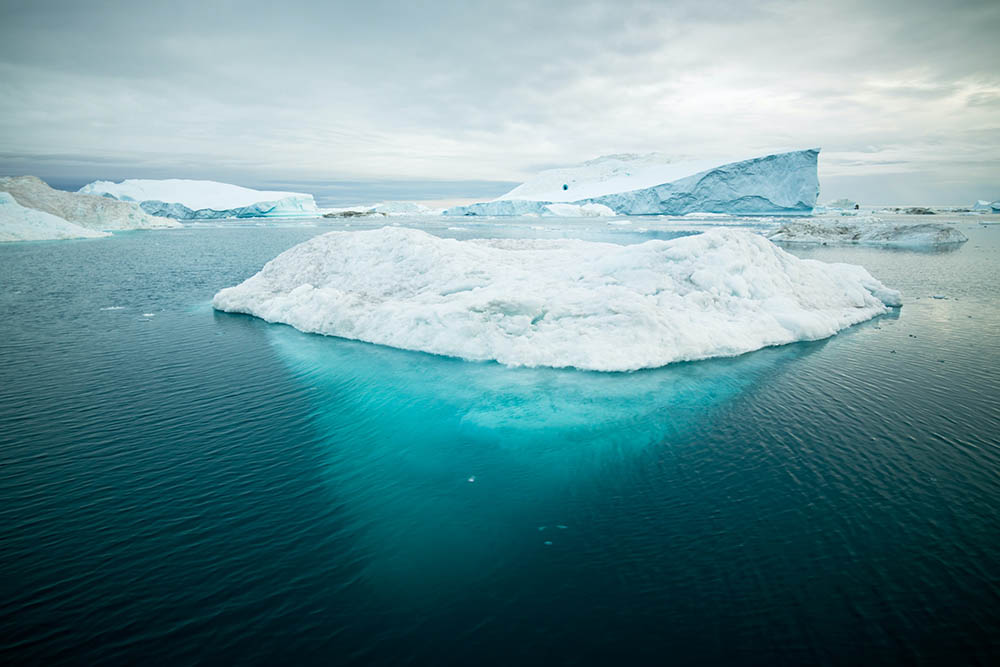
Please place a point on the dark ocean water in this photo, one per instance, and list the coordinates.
(180, 486)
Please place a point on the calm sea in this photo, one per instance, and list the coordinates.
(184, 486)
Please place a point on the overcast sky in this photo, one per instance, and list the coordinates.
(441, 98)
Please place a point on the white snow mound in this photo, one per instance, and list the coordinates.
(868, 231)
(20, 223)
(560, 303)
(89, 211)
(188, 199)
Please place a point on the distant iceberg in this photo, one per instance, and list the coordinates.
(92, 212)
(841, 204)
(200, 200)
(782, 184)
(987, 206)
(868, 231)
(559, 303)
(20, 223)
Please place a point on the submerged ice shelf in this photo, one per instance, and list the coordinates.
(200, 200)
(559, 303)
(781, 184)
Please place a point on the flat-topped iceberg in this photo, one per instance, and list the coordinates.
(868, 231)
(90, 211)
(200, 200)
(781, 184)
(560, 303)
(20, 223)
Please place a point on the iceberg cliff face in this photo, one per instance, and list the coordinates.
(201, 200)
(560, 303)
(782, 184)
(20, 223)
(89, 211)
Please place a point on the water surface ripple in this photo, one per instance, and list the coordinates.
(184, 486)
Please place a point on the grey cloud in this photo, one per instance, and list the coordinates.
(455, 90)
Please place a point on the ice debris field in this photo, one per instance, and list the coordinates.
(868, 230)
(559, 303)
(199, 200)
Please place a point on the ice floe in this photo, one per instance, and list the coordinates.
(868, 231)
(559, 303)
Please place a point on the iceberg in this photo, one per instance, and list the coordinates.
(841, 204)
(401, 208)
(559, 303)
(868, 231)
(90, 211)
(200, 200)
(20, 223)
(987, 206)
(781, 184)
(385, 209)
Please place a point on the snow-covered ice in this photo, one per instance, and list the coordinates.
(868, 231)
(93, 212)
(560, 303)
(199, 200)
(20, 223)
(783, 184)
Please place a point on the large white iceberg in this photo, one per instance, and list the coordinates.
(782, 184)
(89, 211)
(560, 303)
(198, 200)
(20, 223)
(868, 231)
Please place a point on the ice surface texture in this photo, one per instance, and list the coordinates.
(560, 303)
(99, 213)
(782, 184)
(198, 200)
(868, 231)
(20, 223)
